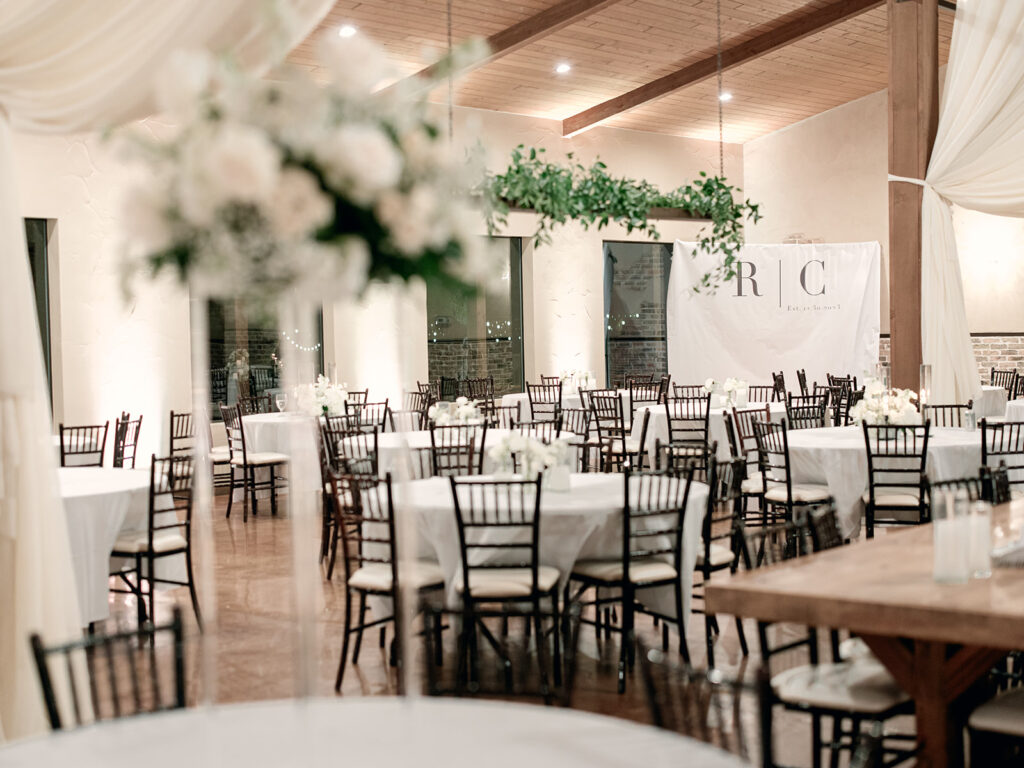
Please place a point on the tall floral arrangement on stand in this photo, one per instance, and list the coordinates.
(322, 398)
(274, 185)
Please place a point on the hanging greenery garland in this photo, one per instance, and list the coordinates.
(558, 193)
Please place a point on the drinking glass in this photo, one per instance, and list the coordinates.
(281, 401)
(950, 562)
(981, 540)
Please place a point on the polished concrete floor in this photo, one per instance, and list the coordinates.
(251, 646)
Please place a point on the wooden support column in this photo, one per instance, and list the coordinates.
(913, 121)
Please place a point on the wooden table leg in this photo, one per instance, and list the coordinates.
(934, 674)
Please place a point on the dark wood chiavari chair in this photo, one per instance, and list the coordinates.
(499, 543)
(685, 391)
(364, 511)
(406, 421)
(250, 464)
(654, 509)
(545, 401)
(776, 473)
(720, 549)
(335, 429)
(370, 417)
(550, 379)
(504, 416)
(706, 705)
(261, 378)
(586, 396)
(218, 385)
(897, 460)
(1002, 443)
(447, 388)
(995, 483)
(431, 391)
(545, 431)
(116, 667)
(357, 397)
(126, 440)
(972, 486)
(83, 446)
(664, 387)
(639, 378)
(182, 441)
(687, 420)
(610, 433)
(481, 390)
(855, 694)
(779, 385)
(761, 393)
(168, 534)
(810, 412)
(1007, 379)
(458, 449)
(252, 404)
(642, 393)
(947, 415)
(576, 426)
(753, 484)
(801, 380)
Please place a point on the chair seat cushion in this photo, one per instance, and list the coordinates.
(632, 446)
(640, 571)
(753, 485)
(801, 493)
(508, 582)
(720, 555)
(894, 497)
(1003, 714)
(850, 686)
(261, 459)
(220, 455)
(377, 576)
(138, 541)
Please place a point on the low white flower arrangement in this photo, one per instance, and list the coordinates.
(578, 379)
(267, 185)
(710, 385)
(531, 457)
(462, 411)
(322, 398)
(882, 406)
(729, 393)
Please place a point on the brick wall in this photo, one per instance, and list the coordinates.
(626, 358)
(990, 351)
(477, 358)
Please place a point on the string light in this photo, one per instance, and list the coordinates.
(300, 347)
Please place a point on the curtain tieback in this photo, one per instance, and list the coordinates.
(908, 180)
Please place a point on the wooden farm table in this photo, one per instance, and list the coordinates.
(936, 639)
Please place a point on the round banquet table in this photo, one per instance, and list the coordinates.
(657, 426)
(272, 432)
(991, 402)
(1015, 410)
(99, 505)
(837, 457)
(582, 523)
(383, 732)
(391, 446)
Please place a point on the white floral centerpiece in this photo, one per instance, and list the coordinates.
(736, 391)
(273, 185)
(532, 457)
(883, 406)
(322, 398)
(238, 363)
(578, 380)
(462, 411)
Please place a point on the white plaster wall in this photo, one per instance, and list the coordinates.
(564, 279)
(108, 355)
(825, 179)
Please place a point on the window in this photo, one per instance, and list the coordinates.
(478, 335)
(38, 262)
(635, 293)
(245, 352)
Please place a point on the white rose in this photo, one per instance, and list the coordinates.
(709, 385)
(361, 159)
(298, 206)
(355, 63)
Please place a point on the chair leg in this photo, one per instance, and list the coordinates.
(709, 639)
(150, 588)
(334, 552)
(359, 629)
(344, 641)
(684, 649)
(833, 750)
(231, 488)
(252, 491)
(542, 651)
(664, 636)
(815, 741)
(273, 492)
(140, 604)
(743, 636)
(192, 587)
(556, 635)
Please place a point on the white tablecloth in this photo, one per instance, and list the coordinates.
(583, 523)
(657, 426)
(381, 732)
(1015, 410)
(99, 505)
(837, 457)
(271, 432)
(991, 403)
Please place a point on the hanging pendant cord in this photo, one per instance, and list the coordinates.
(451, 76)
(721, 132)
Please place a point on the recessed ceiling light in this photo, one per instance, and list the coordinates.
(347, 30)
(725, 96)
(563, 68)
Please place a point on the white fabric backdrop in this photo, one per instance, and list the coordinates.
(977, 163)
(68, 66)
(812, 306)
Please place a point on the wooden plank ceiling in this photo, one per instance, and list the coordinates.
(630, 43)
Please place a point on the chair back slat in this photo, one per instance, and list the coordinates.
(807, 412)
(182, 433)
(126, 440)
(504, 416)
(897, 457)
(1007, 379)
(801, 380)
(687, 420)
(952, 415)
(369, 417)
(779, 385)
(545, 400)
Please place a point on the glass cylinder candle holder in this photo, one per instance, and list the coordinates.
(882, 374)
(981, 540)
(949, 564)
(925, 391)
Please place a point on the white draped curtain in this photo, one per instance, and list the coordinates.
(69, 66)
(977, 163)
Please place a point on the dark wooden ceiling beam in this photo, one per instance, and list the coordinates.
(540, 25)
(793, 27)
